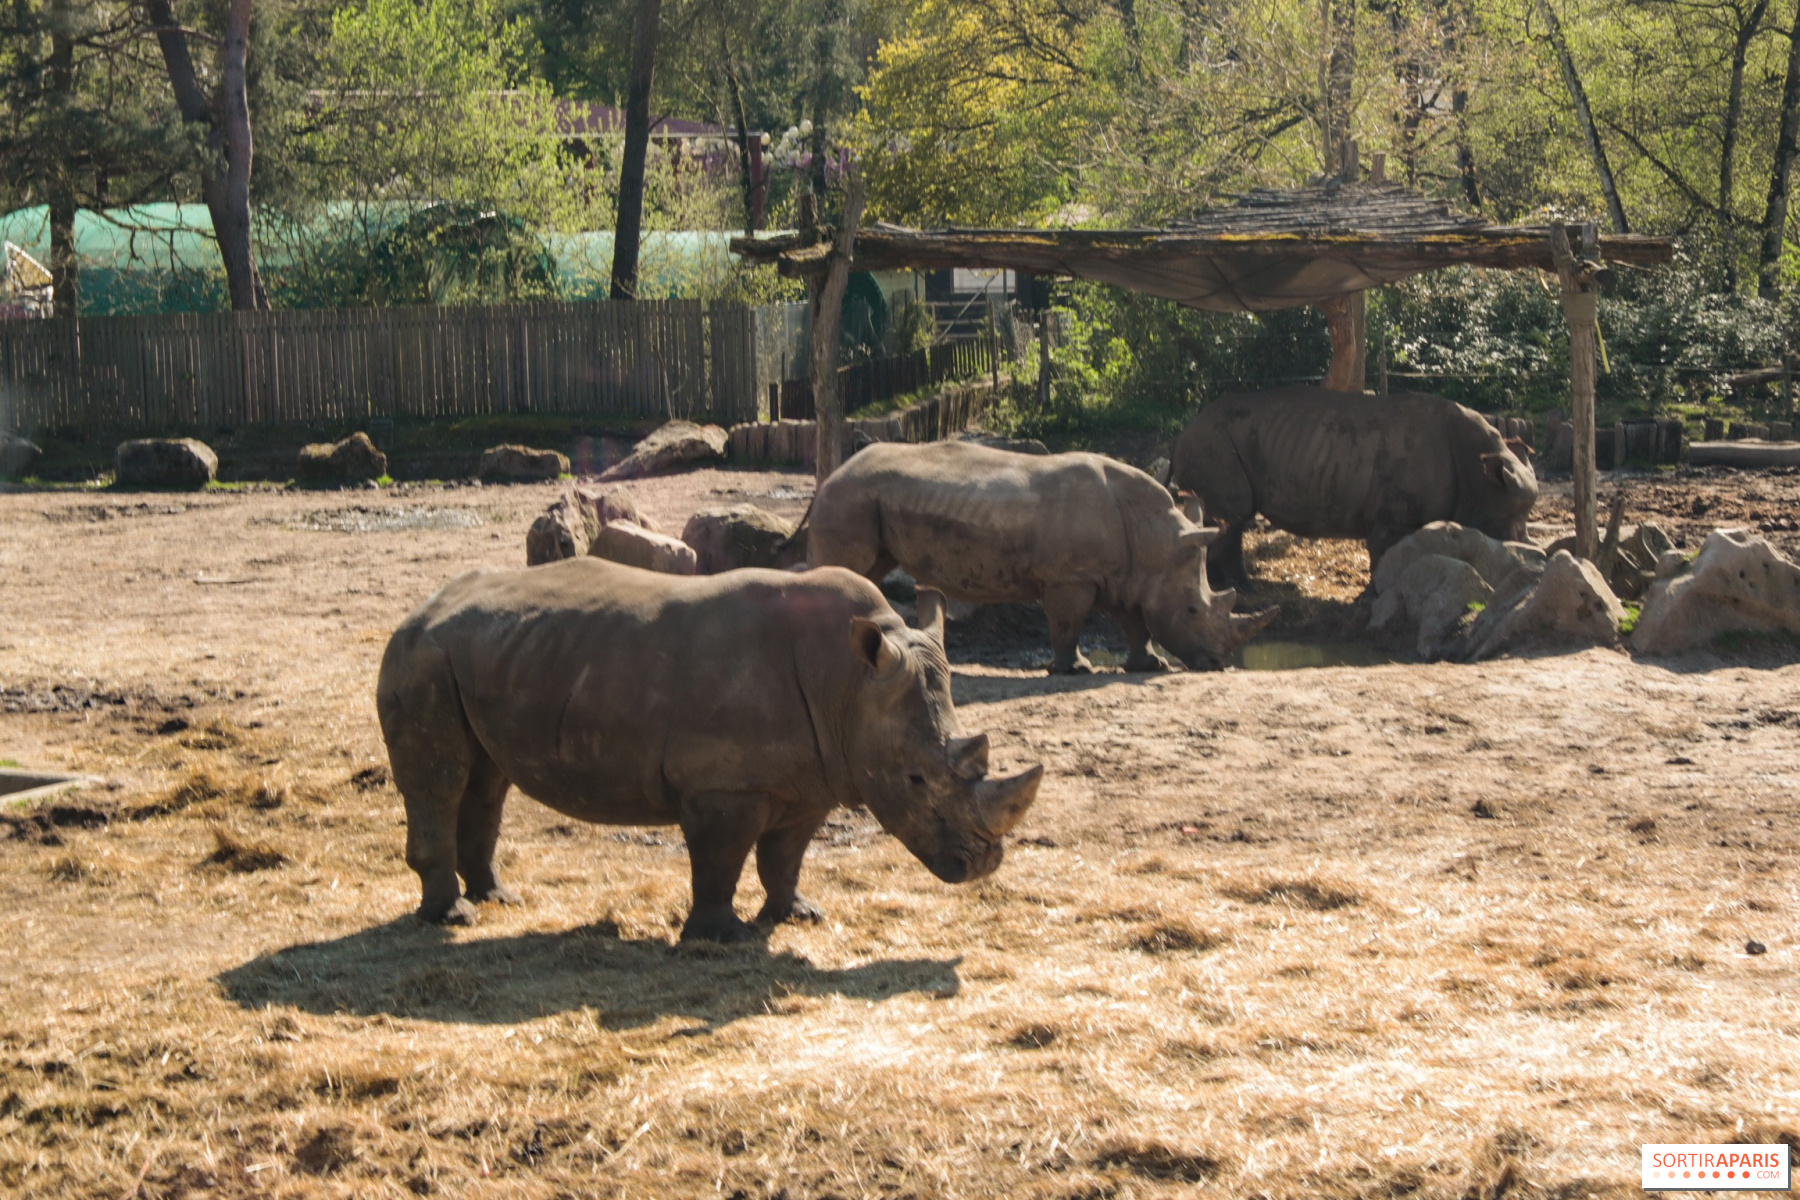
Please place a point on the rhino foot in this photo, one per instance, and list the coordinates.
(1148, 662)
(724, 928)
(457, 912)
(1079, 665)
(801, 909)
(494, 893)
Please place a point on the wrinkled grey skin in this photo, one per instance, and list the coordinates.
(1074, 532)
(741, 707)
(1322, 463)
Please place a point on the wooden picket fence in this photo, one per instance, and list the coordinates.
(877, 380)
(631, 360)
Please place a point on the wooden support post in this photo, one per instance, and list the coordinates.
(1348, 319)
(827, 296)
(1580, 309)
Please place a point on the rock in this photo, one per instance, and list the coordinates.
(17, 456)
(635, 546)
(1632, 566)
(725, 539)
(166, 462)
(520, 464)
(1495, 561)
(1568, 605)
(350, 461)
(568, 527)
(1737, 584)
(1434, 593)
(676, 444)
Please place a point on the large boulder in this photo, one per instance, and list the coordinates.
(725, 539)
(677, 444)
(1434, 594)
(521, 464)
(1737, 584)
(1569, 605)
(1493, 560)
(567, 528)
(166, 463)
(351, 460)
(17, 456)
(635, 546)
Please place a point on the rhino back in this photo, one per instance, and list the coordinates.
(608, 692)
(1324, 464)
(982, 524)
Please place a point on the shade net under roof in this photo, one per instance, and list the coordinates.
(1273, 249)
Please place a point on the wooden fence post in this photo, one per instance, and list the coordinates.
(1580, 308)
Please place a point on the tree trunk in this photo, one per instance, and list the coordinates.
(1340, 74)
(1787, 147)
(637, 148)
(1615, 211)
(1348, 319)
(1734, 109)
(225, 170)
(65, 274)
(745, 166)
(827, 311)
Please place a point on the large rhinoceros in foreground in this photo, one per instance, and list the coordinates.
(1329, 464)
(1074, 531)
(742, 707)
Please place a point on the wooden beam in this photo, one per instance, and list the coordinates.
(1348, 319)
(1581, 311)
(827, 296)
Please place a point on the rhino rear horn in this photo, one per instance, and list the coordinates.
(1000, 803)
(931, 614)
(969, 756)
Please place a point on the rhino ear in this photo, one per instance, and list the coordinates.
(1192, 543)
(1190, 507)
(1493, 464)
(873, 645)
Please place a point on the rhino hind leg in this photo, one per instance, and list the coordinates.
(720, 830)
(1067, 605)
(478, 829)
(778, 856)
(433, 754)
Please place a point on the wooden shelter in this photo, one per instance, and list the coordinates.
(1323, 245)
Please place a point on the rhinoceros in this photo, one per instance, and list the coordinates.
(1322, 463)
(742, 707)
(1074, 532)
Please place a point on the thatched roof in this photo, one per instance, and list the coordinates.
(1273, 249)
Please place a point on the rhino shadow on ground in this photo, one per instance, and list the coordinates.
(409, 969)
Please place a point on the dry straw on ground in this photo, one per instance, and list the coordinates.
(1400, 931)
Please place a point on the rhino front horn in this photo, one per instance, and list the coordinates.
(1245, 626)
(1000, 803)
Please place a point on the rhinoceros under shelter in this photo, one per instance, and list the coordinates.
(1321, 463)
(742, 707)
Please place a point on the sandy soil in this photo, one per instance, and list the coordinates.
(1388, 931)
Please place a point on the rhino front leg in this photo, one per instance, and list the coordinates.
(1067, 606)
(1142, 657)
(720, 829)
(778, 856)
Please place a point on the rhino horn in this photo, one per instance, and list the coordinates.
(969, 756)
(1000, 803)
(931, 614)
(1245, 626)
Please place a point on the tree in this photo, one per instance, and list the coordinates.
(1787, 146)
(229, 151)
(637, 143)
(1615, 208)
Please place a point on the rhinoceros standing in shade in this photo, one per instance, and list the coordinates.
(741, 707)
(1075, 532)
(1321, 463)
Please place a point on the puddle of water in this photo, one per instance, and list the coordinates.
(359, 519)
(1295, 656)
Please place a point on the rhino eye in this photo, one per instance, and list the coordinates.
(1193, 608)
(916, 779)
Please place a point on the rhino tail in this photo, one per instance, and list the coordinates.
(798, 537)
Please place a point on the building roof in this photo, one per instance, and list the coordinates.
(1273, 249)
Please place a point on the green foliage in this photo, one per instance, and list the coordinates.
(1628, 622)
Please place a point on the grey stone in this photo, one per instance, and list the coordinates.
(17, 456)
(1738, 583)
(677, 444)
(351, 460)
(1435, 594)
(1568, 605)
(635, 546)
(521, 464)
(1494, 560)
(166, 462)
(726, 539)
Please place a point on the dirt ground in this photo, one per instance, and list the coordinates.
(1385, 931)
